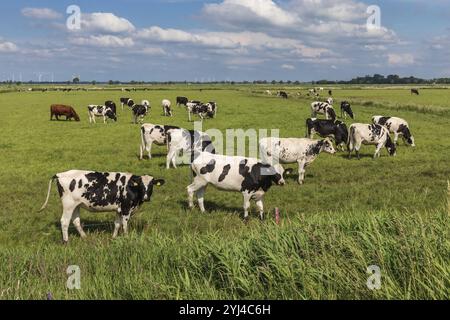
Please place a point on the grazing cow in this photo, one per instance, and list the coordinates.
(62, 110)
(346, 109)
(268, 92)
(320, 89)
(293, 150)
(312, 91)
(100, 192)
(182, 101)
(246, 175)
(415, 91)
(186, 141)
(323, 108)
(282, 94)
(111, 105)
(203, 110)
(330, 101)
(397, 126)
(153, 133)
(374, 134)
(330, 93)
(328, 128)
(100, 111)
(139, 112)
(166, 108)
(126, 101)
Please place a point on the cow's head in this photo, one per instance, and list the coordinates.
(75, 116)
(407, 135)
(148, 183)
(327, 146)
(390, 146)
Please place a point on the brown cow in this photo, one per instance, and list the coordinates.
(62, 110)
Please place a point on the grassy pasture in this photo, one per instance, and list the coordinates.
(350, 214)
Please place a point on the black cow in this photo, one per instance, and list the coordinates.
(100, 192)
(326, 128)
(282, 94)
(182, 101)
(415, 91)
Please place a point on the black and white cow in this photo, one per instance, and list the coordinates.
(100, 192)
(153, 133)
(346, 109)
(139, 112)
(165, 104)
(328, 128)
(112, 105)
(330, 101)
(126, 101)
(187, 141)
(203, 110)
(282, 94)
(323, 108)
(182, 101)
(145, 103)
(246, 175)
(293, 150)
(397, 126)
(369, 134)
(100, 111)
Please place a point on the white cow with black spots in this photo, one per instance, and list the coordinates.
(294, 150)
(369, 134)
(397, 126)
(100, 111)
(186, 141)
(153, 134)
(323, 108)
(100, 192)
(246, 175)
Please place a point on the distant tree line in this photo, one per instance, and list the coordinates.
(375, 79)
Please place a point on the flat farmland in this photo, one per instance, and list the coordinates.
(348, 215)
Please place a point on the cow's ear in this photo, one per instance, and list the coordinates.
(158, 182)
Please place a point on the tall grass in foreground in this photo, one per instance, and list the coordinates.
(322, 257)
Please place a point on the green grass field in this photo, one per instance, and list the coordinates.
(349, 214)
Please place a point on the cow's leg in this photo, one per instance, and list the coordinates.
(247, 198)
(117, 225)
(200, 198)
(68, 209)
(259, 197)
(196, 186)
(77, 223)
(104, 119)
(357, 148)
(171, 155)
(378, 150)
(395, 137)
(125, 219)
(301, 171)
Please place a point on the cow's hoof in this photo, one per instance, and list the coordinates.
(64, 242)
(246, 220)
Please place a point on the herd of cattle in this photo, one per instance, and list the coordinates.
(125, 192)
(139, 111)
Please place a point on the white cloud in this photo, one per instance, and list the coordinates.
(6, 46)
(41, 13)
(251, 11)
(233, 42)
(400, 59)
(103, 41)
(105, 22)
(287, 67)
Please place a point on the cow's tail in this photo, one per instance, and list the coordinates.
(48, 193)
(143, 142)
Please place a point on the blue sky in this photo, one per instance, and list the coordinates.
(223, 40)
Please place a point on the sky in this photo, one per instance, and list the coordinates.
(191, 40)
